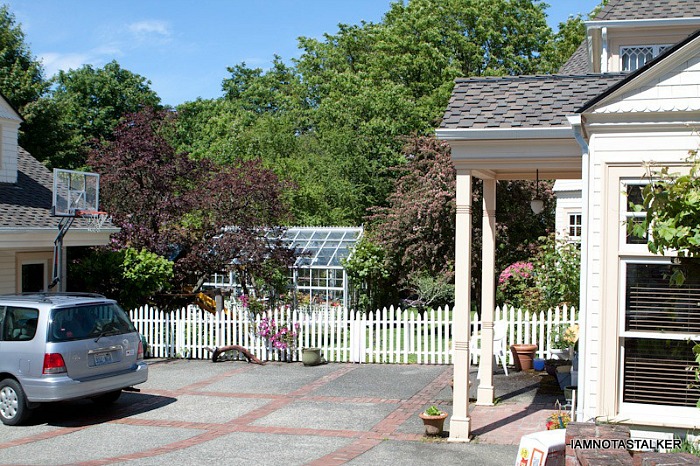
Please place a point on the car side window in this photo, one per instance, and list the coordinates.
(19, 323)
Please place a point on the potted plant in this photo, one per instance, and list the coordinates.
(280, 337)
(560, 342)
(311, 356)
(523, 356)
(433, 420)
(558, 420)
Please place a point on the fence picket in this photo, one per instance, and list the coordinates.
(390, 335)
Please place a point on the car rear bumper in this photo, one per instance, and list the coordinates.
(62, 387)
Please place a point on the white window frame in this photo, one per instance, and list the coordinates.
(640, 411)
(625, 217)
(639, 254)
(570, 225)
(656, 50)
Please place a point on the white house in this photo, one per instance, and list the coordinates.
(632, 95)
(27, 229)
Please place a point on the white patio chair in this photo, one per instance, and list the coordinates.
(500, 328)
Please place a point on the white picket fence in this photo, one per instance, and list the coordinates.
(387, 336)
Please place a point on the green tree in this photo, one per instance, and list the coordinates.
(369, 276)
(82, 109)
(563, 44)
(21, 75)
(130, 276)
(334, 122)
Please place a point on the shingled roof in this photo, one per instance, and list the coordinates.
(648, 9)
(27, 203)
(577, 63)
(521, 101)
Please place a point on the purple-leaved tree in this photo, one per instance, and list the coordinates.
(202, 215)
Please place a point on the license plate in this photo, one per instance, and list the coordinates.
(103, 358)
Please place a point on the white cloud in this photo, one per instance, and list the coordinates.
(150, 29)
(54, 62)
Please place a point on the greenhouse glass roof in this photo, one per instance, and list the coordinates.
(322, 246)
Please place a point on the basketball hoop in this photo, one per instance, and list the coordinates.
(95, 219)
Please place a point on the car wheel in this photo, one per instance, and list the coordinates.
(107, 398)
(13, 405)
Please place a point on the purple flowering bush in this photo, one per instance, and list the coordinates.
(550, 278)
(513, 282)
(280, 335)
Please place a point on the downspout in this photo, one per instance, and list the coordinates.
(576, 125)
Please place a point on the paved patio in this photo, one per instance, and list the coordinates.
(198, 412)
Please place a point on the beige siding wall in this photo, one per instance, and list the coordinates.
(7, 272)
(8, 151)
(638, 37)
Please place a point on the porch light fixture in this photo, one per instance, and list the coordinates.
(537, 204)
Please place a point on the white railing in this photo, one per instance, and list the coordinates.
(388, 336)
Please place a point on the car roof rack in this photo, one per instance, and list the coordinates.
(45, 295)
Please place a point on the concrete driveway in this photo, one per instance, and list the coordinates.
(234, 413)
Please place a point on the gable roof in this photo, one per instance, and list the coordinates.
(618, 10)
(27, 203)
(521, 101)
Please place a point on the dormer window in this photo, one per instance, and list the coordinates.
(635, 57)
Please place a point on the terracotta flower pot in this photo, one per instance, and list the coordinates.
(523, 355)
(433, 424)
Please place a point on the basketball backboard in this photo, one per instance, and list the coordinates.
(74, 191)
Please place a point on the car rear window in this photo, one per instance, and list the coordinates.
(88, 321)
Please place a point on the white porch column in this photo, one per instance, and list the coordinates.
(460, 423)
(486, 393)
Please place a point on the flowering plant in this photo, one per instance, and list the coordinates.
(558, 420)
(564, 336)
(514, 281)
(280, 335)
(571, 335)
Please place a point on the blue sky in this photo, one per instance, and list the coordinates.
(184, 46)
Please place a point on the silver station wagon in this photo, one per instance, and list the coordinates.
(64, 346)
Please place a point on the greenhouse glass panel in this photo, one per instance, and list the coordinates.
(320, 277)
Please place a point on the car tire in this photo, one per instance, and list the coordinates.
(13, 403)
(107, 398)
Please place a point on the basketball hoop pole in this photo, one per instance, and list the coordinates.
(63, 227)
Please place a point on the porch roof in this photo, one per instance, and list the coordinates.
(506, 127)
(521, 101)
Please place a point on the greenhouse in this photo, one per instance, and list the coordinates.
(317, 276)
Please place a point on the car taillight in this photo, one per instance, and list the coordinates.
(139, 353)
(54, 364)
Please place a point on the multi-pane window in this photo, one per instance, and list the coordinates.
(635, 57)
(575, 224)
